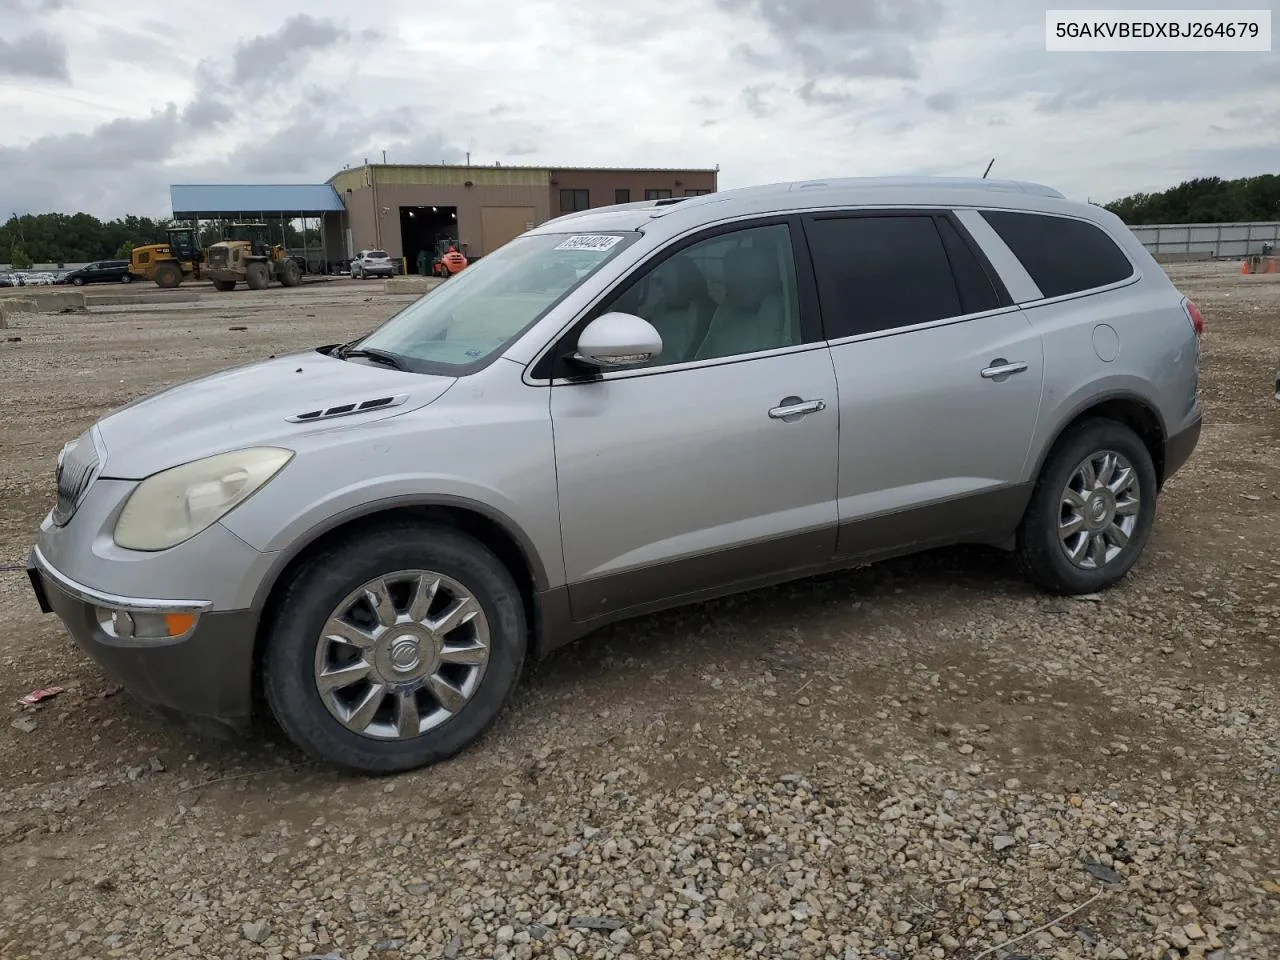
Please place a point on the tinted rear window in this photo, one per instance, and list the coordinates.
(880, 272)
(1062, 255)
(377, 255)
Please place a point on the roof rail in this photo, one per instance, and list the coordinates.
(975, 183)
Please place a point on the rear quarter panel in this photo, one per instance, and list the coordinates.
(1153, 355)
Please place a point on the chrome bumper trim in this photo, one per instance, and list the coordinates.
(101, 598)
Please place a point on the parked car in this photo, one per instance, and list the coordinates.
(41, 279)
(623, 410)
(373, 263)
(103, 271)
(6, 280)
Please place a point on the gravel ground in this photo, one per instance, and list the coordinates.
(921, 759)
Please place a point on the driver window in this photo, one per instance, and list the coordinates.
(731, 294)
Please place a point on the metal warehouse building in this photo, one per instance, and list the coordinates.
(405, 208)
(402, 209)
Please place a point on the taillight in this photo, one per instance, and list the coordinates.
(1193, 314)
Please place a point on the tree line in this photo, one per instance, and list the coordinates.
(74, 238)
(1204, 200)
(81, 237)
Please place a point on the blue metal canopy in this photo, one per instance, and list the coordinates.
(221, 200)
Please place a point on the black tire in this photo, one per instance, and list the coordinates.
(289, 658)
(168, 275)
(257, 276)
(77, 281)
(1039, 547)
(224, 285)
(126, 278)
(290, 275)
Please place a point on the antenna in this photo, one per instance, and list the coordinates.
(988, 170)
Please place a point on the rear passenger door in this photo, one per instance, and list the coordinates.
(939, 377)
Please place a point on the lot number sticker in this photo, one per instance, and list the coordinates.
(587, 241)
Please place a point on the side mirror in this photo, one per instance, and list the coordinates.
(618, 340)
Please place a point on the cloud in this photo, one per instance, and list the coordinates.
(39, 54)
(769, 89)
(942, 102)
(753, 99)
(279, 55)
(811, 94)
(840, 38)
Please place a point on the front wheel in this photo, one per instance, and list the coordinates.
(395, 649)
(126, 278)
(1092, 510)
(257, 276)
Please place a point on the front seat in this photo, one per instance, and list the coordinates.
(751, 317)
(683, 311)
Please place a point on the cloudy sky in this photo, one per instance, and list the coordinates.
(101, 108)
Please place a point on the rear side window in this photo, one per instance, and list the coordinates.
(1062, 255)
(880, 272)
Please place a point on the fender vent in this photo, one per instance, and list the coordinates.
(348, 409)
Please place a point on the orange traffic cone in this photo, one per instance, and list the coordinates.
(1244, 267)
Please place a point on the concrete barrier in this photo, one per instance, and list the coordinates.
(55, 301)
(42, 301)
(413, 284)
(12, 305)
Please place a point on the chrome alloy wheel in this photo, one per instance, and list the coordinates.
(1099, 509)
(402, 654)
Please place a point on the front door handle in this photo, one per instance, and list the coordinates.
(1002, 369)
(794, 408)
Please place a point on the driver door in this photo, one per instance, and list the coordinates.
(712, 468)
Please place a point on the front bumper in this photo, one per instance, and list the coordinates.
(202, 677)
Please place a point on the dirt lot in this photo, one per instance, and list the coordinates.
(924, 759)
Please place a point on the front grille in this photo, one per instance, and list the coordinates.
(218, 257)
(77, 464)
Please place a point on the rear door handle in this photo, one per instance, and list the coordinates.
(791, 407)
(1001, 369)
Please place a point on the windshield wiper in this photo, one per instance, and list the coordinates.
(381, 356)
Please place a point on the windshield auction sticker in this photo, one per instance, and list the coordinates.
(589, 241)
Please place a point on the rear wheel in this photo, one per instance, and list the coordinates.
(257, 276)
(395, 649)
(1092, 510)
(290, 275)
(126, 278)
(224, 285)
(168, 275)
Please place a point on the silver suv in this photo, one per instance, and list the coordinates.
(372, 263)
(623, 410)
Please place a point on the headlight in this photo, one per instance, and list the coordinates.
(178, 503)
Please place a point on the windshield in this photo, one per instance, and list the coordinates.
(475, 314)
